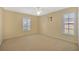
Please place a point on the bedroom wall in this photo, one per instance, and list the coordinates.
(13, 24)
(1, 25)
(54, 28)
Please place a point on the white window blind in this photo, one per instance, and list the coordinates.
(69, 22)
(26, 24)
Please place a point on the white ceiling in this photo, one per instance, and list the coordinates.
(32, 11)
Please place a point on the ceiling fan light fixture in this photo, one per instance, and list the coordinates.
(38, 11)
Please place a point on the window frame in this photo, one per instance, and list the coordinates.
(74, 25)
(28, 26)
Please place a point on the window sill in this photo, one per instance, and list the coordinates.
(68, 34)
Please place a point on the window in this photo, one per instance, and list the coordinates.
(69, 22)
(26, 24)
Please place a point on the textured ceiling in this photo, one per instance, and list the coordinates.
(32, 10)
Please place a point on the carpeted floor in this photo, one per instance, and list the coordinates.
(37, 43)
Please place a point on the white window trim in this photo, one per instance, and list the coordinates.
(74, 25)
(28, 27)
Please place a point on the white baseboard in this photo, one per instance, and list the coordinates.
(60, 39)
(19, 36)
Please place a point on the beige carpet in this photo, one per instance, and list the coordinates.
(37, 43)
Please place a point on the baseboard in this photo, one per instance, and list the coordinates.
(59, 39)
(21, 36)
